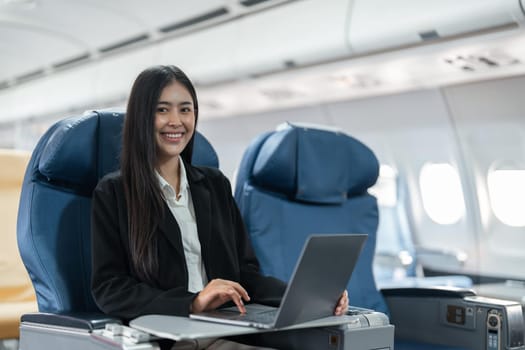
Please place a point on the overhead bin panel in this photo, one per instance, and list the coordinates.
(294, 34)
(206, 55)
(385, 24)
(49, 95)
(26, 50)
(115, 74)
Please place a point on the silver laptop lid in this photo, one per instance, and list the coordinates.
(322, 273)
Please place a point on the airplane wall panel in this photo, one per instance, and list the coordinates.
(490, 119)
(493, 100)
(406, 131)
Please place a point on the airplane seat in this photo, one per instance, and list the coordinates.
(17, 296)
(304, 179)
(55, 205)
(299, 181)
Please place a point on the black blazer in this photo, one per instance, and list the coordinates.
(226, 250)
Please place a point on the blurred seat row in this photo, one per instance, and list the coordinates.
(16, 291)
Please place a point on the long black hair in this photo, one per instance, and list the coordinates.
(144, 199)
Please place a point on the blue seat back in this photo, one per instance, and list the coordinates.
(301, 180)
(53, 227)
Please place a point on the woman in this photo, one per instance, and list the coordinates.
(167, 236)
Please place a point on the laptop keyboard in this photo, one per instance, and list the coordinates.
(266, 317)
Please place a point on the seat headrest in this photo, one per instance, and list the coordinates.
(203, 152)
(314, 165)
(82, 149)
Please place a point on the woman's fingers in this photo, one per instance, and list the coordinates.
(239, 289)
(342, 305)
(219, 291)
(232, 291)
(237, 299)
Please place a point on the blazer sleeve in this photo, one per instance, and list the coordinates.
(114, 287)
(262, 289)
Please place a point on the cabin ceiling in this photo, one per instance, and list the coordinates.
(38, 37)
(246, 56)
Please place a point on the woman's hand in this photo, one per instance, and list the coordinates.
(218, 292)
(342, 304)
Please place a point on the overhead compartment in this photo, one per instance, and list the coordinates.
(205, 55)
(386, 24)
(294, 34)
(114, 75)
(50, 94)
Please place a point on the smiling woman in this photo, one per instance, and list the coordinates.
(167, 235)
(433, 88)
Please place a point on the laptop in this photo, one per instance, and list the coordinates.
(320, 276)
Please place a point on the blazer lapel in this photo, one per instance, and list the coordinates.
(201, 203)
(171, 230)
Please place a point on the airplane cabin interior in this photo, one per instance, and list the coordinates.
(400, 119)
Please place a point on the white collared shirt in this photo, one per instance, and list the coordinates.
(183, 211)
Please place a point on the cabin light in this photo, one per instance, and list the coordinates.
(359, 81)
(461, 256)
(344, 80)
(405, 257)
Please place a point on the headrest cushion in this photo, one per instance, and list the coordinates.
(203, 152)
(315, 165)
(82, 149)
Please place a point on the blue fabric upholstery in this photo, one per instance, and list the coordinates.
(301, 180)
(298, 181)
(54, 215)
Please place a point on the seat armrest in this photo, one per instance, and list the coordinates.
(85, 321)
(428, 292)
(455, 317)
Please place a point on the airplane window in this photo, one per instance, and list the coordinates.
(507, 195)
(385, 189)
(441, 193)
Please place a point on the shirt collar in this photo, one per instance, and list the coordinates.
(167, 190)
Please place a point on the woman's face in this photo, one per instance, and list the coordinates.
(174, 121)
